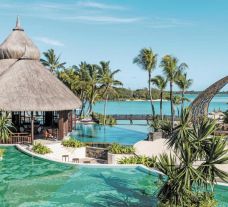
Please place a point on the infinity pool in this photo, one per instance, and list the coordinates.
(31, 182)
(125, 134)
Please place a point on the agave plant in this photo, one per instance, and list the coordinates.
(188, 180)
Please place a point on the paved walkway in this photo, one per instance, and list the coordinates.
(67, 154)
(159, 146)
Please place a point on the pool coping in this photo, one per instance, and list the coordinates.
(140, 166)
(143, 167)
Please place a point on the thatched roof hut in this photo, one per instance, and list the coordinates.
(25, 85)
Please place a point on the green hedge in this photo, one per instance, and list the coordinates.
(72, 143)
(121, 149)
(144, 160)
(41, 149)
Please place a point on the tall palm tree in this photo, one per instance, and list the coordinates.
(147, 60)
(108, 82)
(51, 61)
(172, 69)
(93, 85)
(183, 83)
(82, 71)
(161, 83)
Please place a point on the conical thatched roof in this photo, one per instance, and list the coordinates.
(18, 45)
(25, 85)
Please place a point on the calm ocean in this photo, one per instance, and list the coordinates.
(220, 102)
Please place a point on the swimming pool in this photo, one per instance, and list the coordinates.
(108, 134)
(31, 182)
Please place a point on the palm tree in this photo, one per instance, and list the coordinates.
(51, 61)
(147, 60)
(161, 83)
(172, 69)
(108, 82)
(72, 77)
(183, 83)
(93, 85)
(83, 88)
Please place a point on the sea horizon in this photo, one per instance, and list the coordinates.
(218, 103)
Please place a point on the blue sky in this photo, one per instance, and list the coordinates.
(195, 31)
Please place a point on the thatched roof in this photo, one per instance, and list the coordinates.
(25, 85)
(18, 45)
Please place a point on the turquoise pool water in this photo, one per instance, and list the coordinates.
(126, 134)
(31, 182)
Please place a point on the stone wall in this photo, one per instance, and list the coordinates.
(98, 153)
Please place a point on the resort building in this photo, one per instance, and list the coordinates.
(38, 103)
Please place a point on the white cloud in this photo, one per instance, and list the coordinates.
(163, 23)
(104, 19)
(49, 41)
(97, 5)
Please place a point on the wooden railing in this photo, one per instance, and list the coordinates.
(17, 138)
(136, 116)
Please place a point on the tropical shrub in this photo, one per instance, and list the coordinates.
(41, 149)
(161, 125)
(226, 117)
(144, 160)
(109, 120)
(2, 151)
(188, 183)
(155, 124)
(72, 143)
(166, 127)
(5, 126)
(121, 149)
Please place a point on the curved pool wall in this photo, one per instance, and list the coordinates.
(29, 181)
(109, 134)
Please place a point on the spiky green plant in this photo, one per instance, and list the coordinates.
(121, 149)
(5, 126)
(41, 149)
(144, 160)
(72, 143)
(190, 181)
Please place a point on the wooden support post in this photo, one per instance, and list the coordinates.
(61, 125)
(65, 123)
(32, 128)
(70, 123)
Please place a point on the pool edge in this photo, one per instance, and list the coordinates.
(143, 167)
